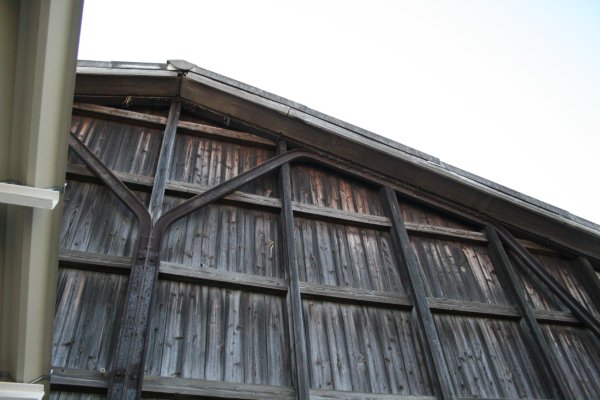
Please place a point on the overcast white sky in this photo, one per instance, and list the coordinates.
(508, 90)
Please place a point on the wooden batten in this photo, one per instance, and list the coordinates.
(158, 121)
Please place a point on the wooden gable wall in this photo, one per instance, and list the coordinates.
(396, 298)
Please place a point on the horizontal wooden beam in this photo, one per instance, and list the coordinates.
(180, 272)
(81, 378)
(343, 216)
(321, 394)
(184, 126)
(147, 102)
(223, 133)
(94, 261)
(236, 197)
(477, 309)
(242, 198)
(80, 172)
(469, 308)
(215, 389)
(445, 232)
(354, 295)
(93, 380)
(300, 209)
(558, 317)
(119, 114)
(172, 271)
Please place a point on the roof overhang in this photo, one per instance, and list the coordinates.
(424, 173)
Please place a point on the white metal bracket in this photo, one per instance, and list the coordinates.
(24, 391)
(28, 196)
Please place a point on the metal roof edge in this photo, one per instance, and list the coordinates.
(313, 113)
(120, 65)
(559, 212)
(422, 159)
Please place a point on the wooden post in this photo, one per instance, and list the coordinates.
(422, 313)
(128, 370)
(541, 353)
(161, 176)
(293, 299)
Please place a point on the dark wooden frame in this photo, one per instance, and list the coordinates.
(294, 300)
(127, 372)
(542, 355)
(421, 312)
(126, 377)
(530, 262)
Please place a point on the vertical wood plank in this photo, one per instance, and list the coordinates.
(164, 161)
(542, 355)
(424, 318)
(294, 301)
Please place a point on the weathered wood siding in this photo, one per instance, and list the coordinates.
(95, 222)
(579, 356)
(121, 146)
(314, 185)
(218, 334)
(537, 295)
(110, 229)
(455, 270)
(568, 274)
(364, 349)
(577, 350)
(342, 255)
(87, 310)
(418, 213)
(208, 162)
(353, 348)
(221, 324)
(489, 358)
(226, 238)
